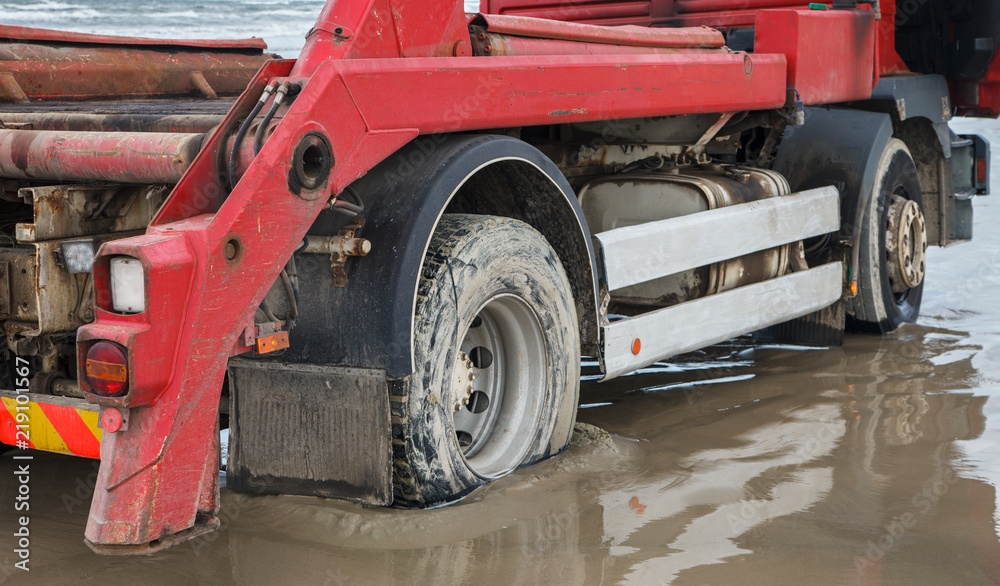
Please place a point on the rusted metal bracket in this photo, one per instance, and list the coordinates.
(264, 338)
(201, 84)
(340, 247)
(712, 131)
(10, 90)
(5, 300)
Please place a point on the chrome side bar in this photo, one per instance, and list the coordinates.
(713, 319)
(640, 253)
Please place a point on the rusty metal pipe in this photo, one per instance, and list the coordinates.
(339, 245)
(500, 45)
(635, 36)
(119, 157)
(132, 122)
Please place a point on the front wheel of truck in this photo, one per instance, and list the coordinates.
(496, 361)
(893, 247)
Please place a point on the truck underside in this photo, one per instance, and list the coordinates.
(379, 264)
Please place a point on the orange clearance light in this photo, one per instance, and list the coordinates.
(272, 343)
(107, 369)
(854, 288)
(636, 346)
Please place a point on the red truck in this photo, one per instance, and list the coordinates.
(379, 264)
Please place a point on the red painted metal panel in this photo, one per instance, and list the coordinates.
(831, 54)
(384, 29)
(461, 94)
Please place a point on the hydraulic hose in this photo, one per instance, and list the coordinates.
(241, 134)
(258, 139)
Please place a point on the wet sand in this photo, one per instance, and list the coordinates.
(875, 463)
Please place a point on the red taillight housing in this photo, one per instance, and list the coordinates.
(107, 369)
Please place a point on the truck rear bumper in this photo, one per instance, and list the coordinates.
(50, 423)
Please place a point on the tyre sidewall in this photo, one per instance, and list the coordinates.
(883, 312)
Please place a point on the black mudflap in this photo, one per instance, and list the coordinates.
(819, 329)
(309, 430)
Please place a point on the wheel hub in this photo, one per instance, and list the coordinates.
(499, 369)
(906, 244)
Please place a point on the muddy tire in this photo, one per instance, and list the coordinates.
(885, 301)
(496, 361)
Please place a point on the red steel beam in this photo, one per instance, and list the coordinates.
(448, 95)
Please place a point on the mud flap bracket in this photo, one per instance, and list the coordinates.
(203, 524)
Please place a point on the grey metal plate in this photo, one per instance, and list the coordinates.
(709, 320)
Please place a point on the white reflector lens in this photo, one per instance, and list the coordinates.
(128, 285)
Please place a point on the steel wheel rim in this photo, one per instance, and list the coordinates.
(496, 421)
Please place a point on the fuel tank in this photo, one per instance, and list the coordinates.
(629, 199)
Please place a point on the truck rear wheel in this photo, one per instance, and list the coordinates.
(496, 359)
(893, 248)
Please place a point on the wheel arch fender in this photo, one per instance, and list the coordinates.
(369, 323)
(841, 148)
(920, 108)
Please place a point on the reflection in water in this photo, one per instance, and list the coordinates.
(717, 481)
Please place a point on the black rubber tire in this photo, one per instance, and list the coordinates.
(472, 260)
(876, 309)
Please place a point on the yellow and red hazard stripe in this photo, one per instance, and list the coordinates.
(68, 426)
